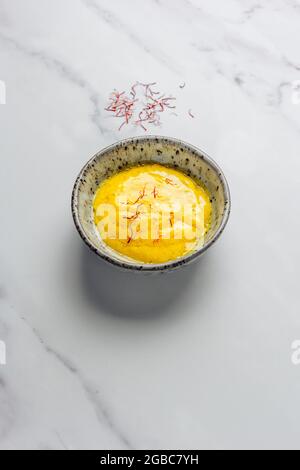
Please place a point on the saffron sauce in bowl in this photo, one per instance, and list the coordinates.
(152, 213)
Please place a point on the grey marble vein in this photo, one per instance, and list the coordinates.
(91, 392)
(252, 10)
(112, 20)
(67, 73)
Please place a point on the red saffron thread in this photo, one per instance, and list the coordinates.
(172, 219)
(136, 215)
(133, 217)
(130, 237)
(155, 192)
(141, 196)
(121, 106)
(157, 240)
(152, 103)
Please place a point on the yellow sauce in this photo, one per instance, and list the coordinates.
(152, 213)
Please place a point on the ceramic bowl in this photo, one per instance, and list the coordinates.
(166, 151)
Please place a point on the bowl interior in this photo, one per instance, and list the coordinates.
(109, 161)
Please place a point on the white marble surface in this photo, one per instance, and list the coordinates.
(210, 365)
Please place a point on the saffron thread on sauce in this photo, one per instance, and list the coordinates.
(155, 192)
(172, 219)
(168, 181)
(148, 230)
(134, 216)
(141, 196)
(129, 239)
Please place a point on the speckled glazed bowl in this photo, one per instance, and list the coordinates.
(166, 151)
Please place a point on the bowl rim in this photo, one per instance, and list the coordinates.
(170, 265)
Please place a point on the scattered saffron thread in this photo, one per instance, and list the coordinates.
(151, 104)
(121, 106)
(168, 181)
(129, 238)
(155, 192)
(172, 219)
(157, 240)
(141, 196)
(143, 106)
